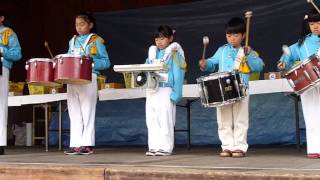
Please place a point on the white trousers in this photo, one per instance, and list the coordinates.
(4, 89)
(233, 124)
(160, 119)
(310, 101)
(82, 101)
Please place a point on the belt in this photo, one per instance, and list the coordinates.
(163, 84)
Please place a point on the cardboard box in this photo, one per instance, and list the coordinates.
(272, 75)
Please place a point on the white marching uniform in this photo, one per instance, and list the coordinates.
(82, 99)
(160, 119)
(11, 52)
(233, 119)
(161, 103)
(237, 116)
(310, 99)
(4, 89)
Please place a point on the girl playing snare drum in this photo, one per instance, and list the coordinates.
(307, 45)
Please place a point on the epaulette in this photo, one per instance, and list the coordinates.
(5, 36)
(95, 38)
(8, 31)
(256, 53)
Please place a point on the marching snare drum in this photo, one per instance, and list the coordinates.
(304, 75)
(219, 89)
(73, 69)
(40, 71)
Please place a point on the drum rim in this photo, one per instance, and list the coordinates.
(294, 67)
(309, 59)
(216, 75)
(223, 103)
(70, 55)
(39, 60)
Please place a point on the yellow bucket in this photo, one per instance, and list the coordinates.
(127, 79)
(101, 81)
(16, 88)
(33, 89)
(254, 76)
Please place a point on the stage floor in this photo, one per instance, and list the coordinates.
(261, 162)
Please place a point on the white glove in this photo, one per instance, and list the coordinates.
(173, 47)
(152, 53)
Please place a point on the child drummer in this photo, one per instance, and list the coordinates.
(233, 119)
(307, 46)
(82, 99)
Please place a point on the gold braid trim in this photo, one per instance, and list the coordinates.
(244, 67)
(177, 61)
(93, 40)
(5, 36)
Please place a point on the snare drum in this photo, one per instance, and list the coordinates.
(219, 89)
(40, 72)
(304, 75)
(73, 69)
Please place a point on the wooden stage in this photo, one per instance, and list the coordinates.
(268, 162)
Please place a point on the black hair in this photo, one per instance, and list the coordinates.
(163, 31)
(88, 17)
(235, 25)
(6, 21)
(312, 16)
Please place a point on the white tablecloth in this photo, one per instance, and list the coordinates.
(35, 99)
(191, 90)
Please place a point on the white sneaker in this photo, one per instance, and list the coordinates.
(151, 152)
(163, 153)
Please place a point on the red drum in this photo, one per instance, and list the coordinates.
(40, 71)
(304, 75)
(73, 69)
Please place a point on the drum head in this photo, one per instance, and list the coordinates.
(39, 60)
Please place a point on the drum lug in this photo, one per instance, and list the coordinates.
(291, 83)
(27, 67)
(53, 65)
(92, 65)
(60, 61)
(307, 75)
(296, 73)
(316, 70)
(35, 64)
(81, 61)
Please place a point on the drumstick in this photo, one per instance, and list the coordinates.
(314, 5)
(205, 41)
(205, 45)
(46, 44)
(248, 15)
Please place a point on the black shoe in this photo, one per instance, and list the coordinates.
(85, 150)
